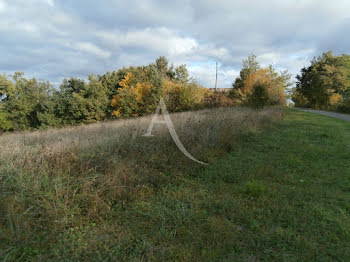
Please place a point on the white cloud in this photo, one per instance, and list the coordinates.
(91, 48)
(51, 3)
(27, 27)
(2, 7)
(161, 40)
(21, 27)
(181, 46)
(270, 58)
(204, 73)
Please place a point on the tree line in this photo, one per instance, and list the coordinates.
(134, 91)
(325, 84)
(27, 104)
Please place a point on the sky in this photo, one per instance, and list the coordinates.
(53, 40)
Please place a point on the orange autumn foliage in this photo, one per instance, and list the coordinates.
(134, 98)
(267, 78)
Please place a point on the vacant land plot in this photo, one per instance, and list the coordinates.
(275, 190)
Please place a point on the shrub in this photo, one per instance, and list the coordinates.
(335, 101)
(183, 96)
(219, 99)
(345, 106)
(299, 100)
(260, 97)
(5, 122)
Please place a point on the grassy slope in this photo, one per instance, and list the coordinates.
(288, 191)
(281, 195)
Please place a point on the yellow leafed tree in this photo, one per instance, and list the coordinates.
(270, 80)
(136, 96)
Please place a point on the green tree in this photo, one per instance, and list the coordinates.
(326, 77)
(26, 103)
(5, 120)
(80, 102)
(249, 66)
(162, 65)
(181, 74)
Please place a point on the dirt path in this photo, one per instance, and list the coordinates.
(345, 117)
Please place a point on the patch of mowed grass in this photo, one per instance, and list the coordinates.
(299, 175)
(280, 194)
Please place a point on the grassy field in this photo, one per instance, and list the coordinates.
(275, 190)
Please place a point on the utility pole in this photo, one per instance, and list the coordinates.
(216, 78)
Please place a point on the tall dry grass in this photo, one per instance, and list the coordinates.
(56, 180)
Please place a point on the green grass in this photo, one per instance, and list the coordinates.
(288, 190)
(281, 194)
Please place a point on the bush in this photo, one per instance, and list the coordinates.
(183, 96)
(345, 106)
(219, 99)
(5, 122)
(299, 100)
(335, 100)
(260, 97)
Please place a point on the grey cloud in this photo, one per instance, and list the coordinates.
(338, 40)
(53, 39)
